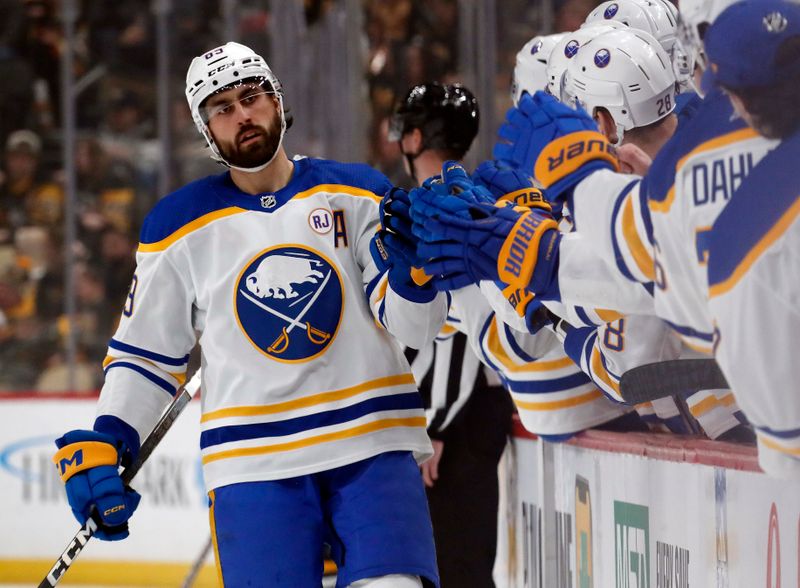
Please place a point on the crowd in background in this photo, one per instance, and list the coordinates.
(117, 151)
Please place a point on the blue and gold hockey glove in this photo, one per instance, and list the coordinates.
(395, 230)
(88, 463)
(557, 144)
(507, 184)
(466, 240)
(394, 248)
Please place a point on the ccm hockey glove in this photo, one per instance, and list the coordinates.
(88, 463)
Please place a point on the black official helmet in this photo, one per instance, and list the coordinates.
(446, 114)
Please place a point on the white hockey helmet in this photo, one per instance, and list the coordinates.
(694, 18)
(650, 16)
(219, 69)
(628, 73)
(567, 48)
(530, 71)
(656, 17)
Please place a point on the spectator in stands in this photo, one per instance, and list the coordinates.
(25, 198)
(117, 263)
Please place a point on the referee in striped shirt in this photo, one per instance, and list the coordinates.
(469, 412)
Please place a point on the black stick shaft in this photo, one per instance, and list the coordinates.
(667, 378)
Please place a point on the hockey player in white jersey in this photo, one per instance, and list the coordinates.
(658, 227)
(754, 246)
(624, 81)
(309, 407)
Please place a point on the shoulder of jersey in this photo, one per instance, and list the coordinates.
(354, 175)
(712, 118)
(764, 206)
(181, 207)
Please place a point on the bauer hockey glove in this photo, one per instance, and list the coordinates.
(507, 184)
(556, 143)
(466, 240)
(88, 463)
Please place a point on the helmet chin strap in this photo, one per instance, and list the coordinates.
(410, 157)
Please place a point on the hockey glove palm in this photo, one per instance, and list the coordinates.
(88, 463)
(556, 143)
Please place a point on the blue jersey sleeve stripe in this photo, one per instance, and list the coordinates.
(232, 433)
(151, 355)
(787, 434)
(549, 385)
(750, 223)
(583, 316)
(512, 342)
(605, 367)
(482, 339)
(722, 279)
(576, 340)
(160, 382)
(373, 283)
(690, 332)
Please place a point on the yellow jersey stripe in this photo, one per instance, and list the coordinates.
(717, 142)
(300, 443)
(497, 350)
(691, 344)
(213, 525)
(608, 316)
(777, 230)
(382, 288)
(196, 224)
(558, 404)
(599, 370)
(313, 400)
(448, 330)
(663, 205)
(337, 189)
(643, 259)
(708, 404)
(778, 447)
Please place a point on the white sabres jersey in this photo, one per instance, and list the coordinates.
(552, 395)
(655, 232)
(609, 351)
(299, 372)
(754, 288)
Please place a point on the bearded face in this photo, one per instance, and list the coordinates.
(253, 144)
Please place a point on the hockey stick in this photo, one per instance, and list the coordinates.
(86, 532)
(194, 571)
(668, 378)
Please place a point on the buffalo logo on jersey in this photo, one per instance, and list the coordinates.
(537, 47)
(610, 11)
(289, 302)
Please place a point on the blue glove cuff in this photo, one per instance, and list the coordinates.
(126, 437)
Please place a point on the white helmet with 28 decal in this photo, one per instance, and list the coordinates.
(628, 73)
